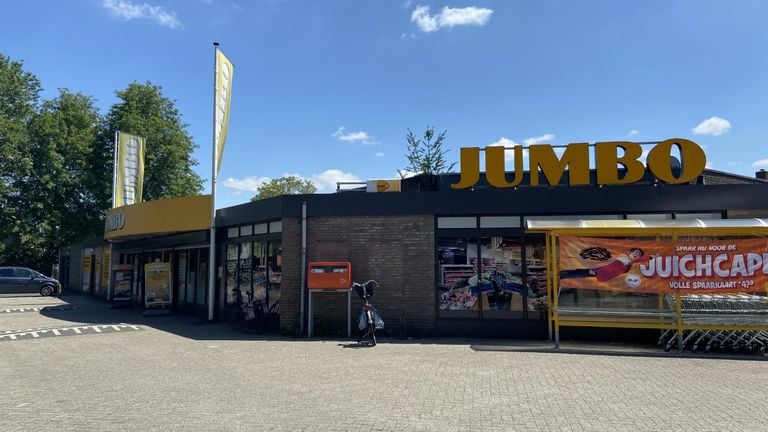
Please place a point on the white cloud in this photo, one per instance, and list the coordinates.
(508, 154)
(423, 19)
(379, 154)
(246, 184)
(712, 126)
(634, 132)
(544, 139)
(505, 142)
(762, 163)
(406, 174)
(127, 11)
(341, 134)
(407, 4)
(326, 181)
(449, 17)
(452, 17)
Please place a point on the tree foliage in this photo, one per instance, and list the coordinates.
(19, 95)
(289, 185)
(168, 161)
(69, 191)
(426, 155)
(56, 162)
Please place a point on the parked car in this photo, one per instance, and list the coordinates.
(23, 280)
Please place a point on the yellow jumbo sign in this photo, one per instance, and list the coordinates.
(159, 217)
(544, 160)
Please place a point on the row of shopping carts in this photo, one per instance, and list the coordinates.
(706, 312)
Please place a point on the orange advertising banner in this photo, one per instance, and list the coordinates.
(664, 266)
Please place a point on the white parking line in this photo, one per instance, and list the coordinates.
(67, 331)
(38, 309)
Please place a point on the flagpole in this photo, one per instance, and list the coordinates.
(114, 172)
(212, 247)
(110, 288)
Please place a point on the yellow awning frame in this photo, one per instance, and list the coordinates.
(675, 229)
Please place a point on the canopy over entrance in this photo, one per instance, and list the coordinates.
(692, 279)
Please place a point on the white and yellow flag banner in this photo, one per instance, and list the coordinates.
(129, 175)
(224, 70)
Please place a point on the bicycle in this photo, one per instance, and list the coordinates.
(238, 320)
(369, 318)
(247, 314)
(253, 312)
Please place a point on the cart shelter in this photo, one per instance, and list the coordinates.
(706, 281)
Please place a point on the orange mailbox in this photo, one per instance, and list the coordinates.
(329, 275)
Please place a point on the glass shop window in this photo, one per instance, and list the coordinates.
(259, 272)
(457, 284)
(230, 281)
(501, 288)
(274, 275)
(536, 276)
(244, 270)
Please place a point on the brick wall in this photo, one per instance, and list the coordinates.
(396, 251)
(290, 294)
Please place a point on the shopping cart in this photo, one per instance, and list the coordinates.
(717, 311)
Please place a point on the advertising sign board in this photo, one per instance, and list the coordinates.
(688, 266)
(157, 279)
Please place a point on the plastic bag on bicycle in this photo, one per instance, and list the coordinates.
(362, 321)
(378, 323)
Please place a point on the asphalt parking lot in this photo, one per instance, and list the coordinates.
(76, 365)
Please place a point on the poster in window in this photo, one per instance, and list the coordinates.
(157, 277)
(122, 275)
(231, 281)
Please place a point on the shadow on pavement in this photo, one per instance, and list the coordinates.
(89, 310)
(355, 345)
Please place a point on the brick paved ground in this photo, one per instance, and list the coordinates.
(175, 374)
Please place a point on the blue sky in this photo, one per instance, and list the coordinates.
(327, 89)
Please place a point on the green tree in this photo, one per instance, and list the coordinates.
(289, 185)
(19, 95)
(56, 162)
(69, 190)
(424, 155)
(168, 161)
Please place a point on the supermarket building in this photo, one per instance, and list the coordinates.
(453, 262)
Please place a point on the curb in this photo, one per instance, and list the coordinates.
(650, 354)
